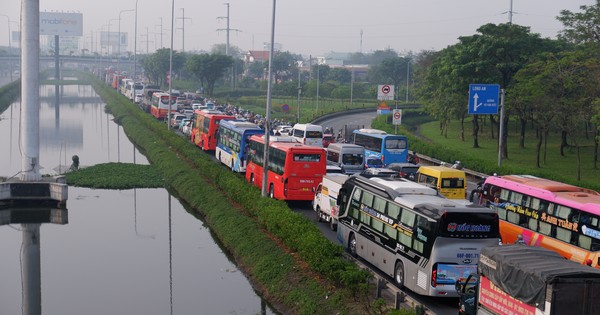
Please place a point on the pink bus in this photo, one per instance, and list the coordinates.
(546, 213)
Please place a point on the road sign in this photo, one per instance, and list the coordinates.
(385, 92)
(483, 99)
(397, 117)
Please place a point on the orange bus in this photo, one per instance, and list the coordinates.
(205, 127)
(295, 169)
(542, 212)
(160, 105)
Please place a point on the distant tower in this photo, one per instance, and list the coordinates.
(361, 38)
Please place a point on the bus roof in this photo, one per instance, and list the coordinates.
(285, 143)
(239, 124)
(564, 194)
(428, 169)
(376, 133)
(217, 115)
(372, 131)
(416, 196)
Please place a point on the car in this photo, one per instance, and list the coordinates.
(333, 169)
(183, 122)
(327, 139)
(176, 119)
(379, 172)
(283, 130)
(405, 170)
(374, 162)
(186, 129)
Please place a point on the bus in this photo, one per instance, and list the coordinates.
(380, 145)
(205, 127)
(232, 139)
(308, 134)
(295, 169)
(542, 212)
(160, 105)
(425, 242)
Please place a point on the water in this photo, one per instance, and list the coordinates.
(122, 252)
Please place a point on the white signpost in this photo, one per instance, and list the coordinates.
(397, 117)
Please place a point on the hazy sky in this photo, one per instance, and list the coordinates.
(309, 27)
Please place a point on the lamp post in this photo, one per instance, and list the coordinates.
(268, 112)
(9, 47)
(135, 46)
(171, 63)
(119, 49)
(299, 91)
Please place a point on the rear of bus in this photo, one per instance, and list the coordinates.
(450, 182)
(303, 171)
(461, 234)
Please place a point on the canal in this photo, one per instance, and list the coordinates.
(134, 251)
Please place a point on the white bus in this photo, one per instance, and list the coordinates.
(308, 134)
(424, 241)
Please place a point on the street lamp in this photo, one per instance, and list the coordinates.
(135, 46)
(119, 49)
(9, 47)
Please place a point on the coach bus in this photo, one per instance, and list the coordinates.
(160, 105)
(546, 213)
(295, 169)
(380, 145)
(205, 127)
(232, 139)
(412, 233)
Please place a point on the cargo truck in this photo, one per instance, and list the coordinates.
(529, 280)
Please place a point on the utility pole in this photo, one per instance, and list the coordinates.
(227, 30)
(182, 28)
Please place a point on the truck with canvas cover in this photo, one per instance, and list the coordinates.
(529, 280)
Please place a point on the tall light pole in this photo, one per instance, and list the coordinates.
(135, 46)
(9, 47)
(171, 62)
(407, 77)
(299, 91)
(268, 113)
(119, 49)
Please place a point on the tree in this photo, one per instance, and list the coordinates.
(156, 65)
(582, 27)
(283, 65)
(339, 75)
(209, 68)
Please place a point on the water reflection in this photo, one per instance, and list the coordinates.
(105, 261)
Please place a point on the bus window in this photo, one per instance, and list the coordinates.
(545, 228)
(408, 218)
(563, 234)
(585, 242)
(563, 212)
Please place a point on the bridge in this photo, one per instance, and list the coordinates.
(76, 62)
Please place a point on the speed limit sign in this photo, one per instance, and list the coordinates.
(397, 117)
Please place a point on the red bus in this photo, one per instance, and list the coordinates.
(546, 213)
(205, 127)
(160, 105)
(295, 169)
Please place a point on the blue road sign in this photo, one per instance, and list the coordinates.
(483, 99)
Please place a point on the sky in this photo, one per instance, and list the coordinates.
(307, 27)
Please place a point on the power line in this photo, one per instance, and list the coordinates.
(182, 28)
(228, 29)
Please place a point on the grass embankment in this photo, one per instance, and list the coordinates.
(485, 158)
(9, 93)
(116, 176)
(292, 264)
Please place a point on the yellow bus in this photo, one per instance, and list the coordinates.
(450, 182)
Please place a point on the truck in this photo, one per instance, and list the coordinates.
(519, 279)
(325, 201)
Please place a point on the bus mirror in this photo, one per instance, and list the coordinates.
(341, 197)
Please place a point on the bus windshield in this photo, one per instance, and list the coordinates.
(392, 144)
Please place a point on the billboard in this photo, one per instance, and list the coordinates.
(62, 24)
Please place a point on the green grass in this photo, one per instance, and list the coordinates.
(116, 176)
(519, 158)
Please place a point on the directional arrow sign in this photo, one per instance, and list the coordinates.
(483, 99)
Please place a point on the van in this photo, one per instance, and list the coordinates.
(349, 157)
(450, 182)
(308, 134)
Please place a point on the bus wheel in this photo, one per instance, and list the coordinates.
(399, 275)
(272, 192)
(318, 211)
(252, 179)
(232, 164)
(332, 225)
(352, 245)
